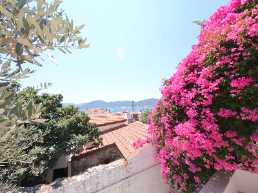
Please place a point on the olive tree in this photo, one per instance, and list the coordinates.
(28, 29)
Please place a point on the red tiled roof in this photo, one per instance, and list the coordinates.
(124, 137)
(101, 117)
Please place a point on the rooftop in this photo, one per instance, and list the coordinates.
(102, 117)
(123, 138)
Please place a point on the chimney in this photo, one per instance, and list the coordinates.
(130, 118)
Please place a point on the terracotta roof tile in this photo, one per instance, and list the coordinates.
(101, 117)
(124, 137)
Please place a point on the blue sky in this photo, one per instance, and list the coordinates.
(134, 44)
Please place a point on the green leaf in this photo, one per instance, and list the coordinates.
(30, 109)
(199, 22)
(5, 12)
(24, 41)
(21, 3)
(25, 25)
(54, 6)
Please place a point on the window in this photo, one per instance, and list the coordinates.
(60, 173)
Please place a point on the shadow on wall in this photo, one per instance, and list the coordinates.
(140, 173)
(96, 157)
(242, 181)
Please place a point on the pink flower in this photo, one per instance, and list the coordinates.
(197, 179)
(193, 168)
(238, 141)
(241, 82)
(230, 134)
(195, 153)
(191, 113)
(139, 143)
(253, 31)
(185, 129)
(178, 178)
(244, 1)
(184, 126)
(249, 114)
(223, 112)
(254, 137)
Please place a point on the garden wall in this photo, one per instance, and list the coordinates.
(141, 173)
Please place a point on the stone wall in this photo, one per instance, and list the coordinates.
(141, 174)
(239, 182)
(242, 181)
(100, 156)
(62, 162)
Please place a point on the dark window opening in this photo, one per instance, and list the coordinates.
(107, 161)
(60, 173)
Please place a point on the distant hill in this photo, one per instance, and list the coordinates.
(118, 106)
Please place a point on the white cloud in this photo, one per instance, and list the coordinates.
(120, 52)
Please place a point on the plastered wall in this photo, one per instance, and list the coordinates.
(140, 174)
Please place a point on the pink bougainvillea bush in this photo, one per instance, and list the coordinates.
(207, 118)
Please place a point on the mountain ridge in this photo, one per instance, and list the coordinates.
(116, 106)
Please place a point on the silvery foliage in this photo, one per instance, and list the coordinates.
(29, 28)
